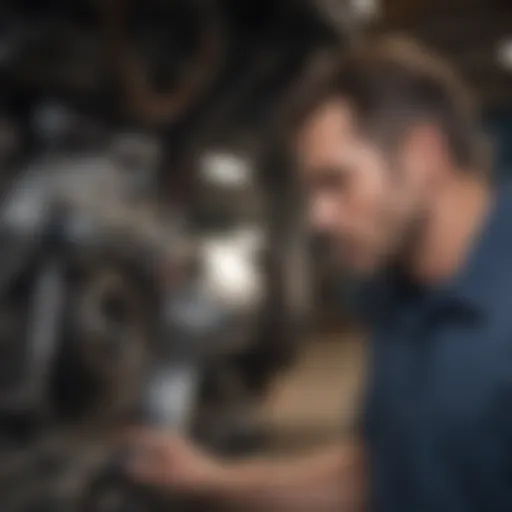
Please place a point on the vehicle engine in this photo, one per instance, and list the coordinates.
(154, 262)
(108, 317)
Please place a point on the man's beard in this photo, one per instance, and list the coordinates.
(407, 244)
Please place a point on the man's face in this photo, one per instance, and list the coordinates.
(368, 203)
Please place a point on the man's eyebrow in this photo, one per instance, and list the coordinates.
(327, 171)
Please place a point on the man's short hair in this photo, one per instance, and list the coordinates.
(393, 83)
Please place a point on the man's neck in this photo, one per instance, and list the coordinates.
(456, 218)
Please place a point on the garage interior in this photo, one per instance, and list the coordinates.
(184, 262)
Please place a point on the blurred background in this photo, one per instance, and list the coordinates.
(155, 264)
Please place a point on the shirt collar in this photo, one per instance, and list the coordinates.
(484, 280)
(486, 277)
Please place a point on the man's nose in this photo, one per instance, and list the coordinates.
(323, 215)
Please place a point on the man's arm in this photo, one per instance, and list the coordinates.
(331, 481)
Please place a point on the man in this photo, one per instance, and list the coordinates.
(396, 173)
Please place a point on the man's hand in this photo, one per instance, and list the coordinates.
(162, 460)
(326, 482)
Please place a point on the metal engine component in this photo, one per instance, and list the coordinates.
(113, 309)
(110, 337)
(233, 273)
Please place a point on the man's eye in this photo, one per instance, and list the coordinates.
(332, 181)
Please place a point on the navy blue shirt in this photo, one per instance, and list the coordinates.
(438, 421)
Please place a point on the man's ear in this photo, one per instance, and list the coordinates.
(425, 153)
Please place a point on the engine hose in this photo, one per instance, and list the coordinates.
(141, 99)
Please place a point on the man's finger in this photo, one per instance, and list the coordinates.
(145, 471)
(140, 436)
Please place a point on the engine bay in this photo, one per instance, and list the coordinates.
(153, 256)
